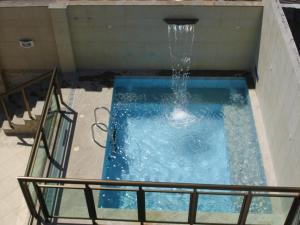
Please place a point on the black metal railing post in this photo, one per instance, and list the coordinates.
(193, 207)
(141, 205)
(6, 112)
(58, 87)
(26, 102)
(28, 198)
(245, 208)
(293, 211)
(56, 98)
(44, 139)
(88, 193)
(41, 201)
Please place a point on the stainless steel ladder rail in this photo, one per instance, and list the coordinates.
(102, 126)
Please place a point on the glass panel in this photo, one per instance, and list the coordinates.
(161, 207)
(39, 162)
(66, 202)
(297, 218)
(116, 204)
(218, 208)
(32, 191)
(269, 210)
(51, 119)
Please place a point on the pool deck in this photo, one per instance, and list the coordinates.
(14, 154)
(86, 157)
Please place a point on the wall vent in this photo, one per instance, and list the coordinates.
(26, 43)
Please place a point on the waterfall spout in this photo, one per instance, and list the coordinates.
(181, 38)
(184, 21)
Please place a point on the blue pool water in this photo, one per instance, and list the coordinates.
(211, 139)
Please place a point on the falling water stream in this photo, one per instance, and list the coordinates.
(181, 38)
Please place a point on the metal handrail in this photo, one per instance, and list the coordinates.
(100, 125)
(105, 129)
(93, 135)
(21, 88)
(142, 187)
(41, 122)
(225, 187)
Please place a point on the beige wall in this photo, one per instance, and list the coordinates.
(124, 37)
(278, 91)
(135, 37)
(26, 22)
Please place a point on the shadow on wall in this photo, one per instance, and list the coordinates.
(95, 81)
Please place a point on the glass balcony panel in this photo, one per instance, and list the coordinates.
(269, 210)
(296, 220)
(40, 160)
(119, 205)
(161, 207)
(66, 202)
(218, 208)
(51, 119)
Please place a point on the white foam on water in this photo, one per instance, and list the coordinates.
(180, 116)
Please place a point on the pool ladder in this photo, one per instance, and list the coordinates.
(103, 127)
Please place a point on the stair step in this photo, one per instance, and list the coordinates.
(28, 129)
(38, 109)
(5, 125)
(26, 116)
(18, 120)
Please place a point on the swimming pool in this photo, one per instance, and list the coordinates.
(211, 139)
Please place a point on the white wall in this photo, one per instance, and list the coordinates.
(278, 91)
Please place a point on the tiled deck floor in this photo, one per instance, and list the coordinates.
(86, 157)
(13, 160)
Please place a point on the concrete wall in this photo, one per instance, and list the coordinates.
(278, 91)
(78, 36)
(136, 37)
(26, 22)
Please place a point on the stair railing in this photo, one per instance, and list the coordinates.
(22, 88)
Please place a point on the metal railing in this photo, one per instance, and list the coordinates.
(88, 188)
(22, 88)
(53, 90)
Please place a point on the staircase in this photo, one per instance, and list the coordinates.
(23, 105)
(25, 125)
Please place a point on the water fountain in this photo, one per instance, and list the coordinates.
(181, 37)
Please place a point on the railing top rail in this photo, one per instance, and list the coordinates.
(164, 184)
(27, 83)
(41, 123)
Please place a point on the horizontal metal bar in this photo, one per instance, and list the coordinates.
(164, 184)
(221, 193)
(115, 189)
(87, 218)
(159, 221)
(82, 188)
(59, 186)
(123, 220)
(69, 217)
(217, 223)
(294, 195)
(168, 191)
(128, 220)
